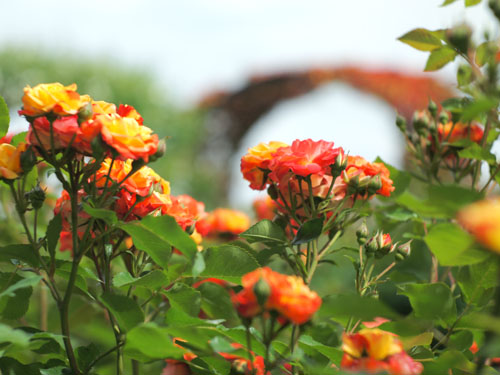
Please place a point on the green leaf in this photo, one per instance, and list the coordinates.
(20, 252)
(23, 283)
(439, 58)
(308, 231)
(53, 232)
(198, 265)
(344, 306)
(431, 301)
(476, 152)
(13, 336)
(479, 106)
(18, 138)
(469, 3)
(478, 281)
(4, 117)
(447, 2)
(148, 341)
(216, 302)
(152, 280)
(85, 355)
(265, 231)
(452, 359)
(482, 52)
(421, 39)
(452, 246)
(153, 234)
(184, 298)
(424, 338)
(100, 213)
(333, 354)
(126, 311)
(228, 263)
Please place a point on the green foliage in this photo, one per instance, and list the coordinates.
(4, 117)
(228, 262)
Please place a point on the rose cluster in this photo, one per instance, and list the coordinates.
(61, 118)
(375, 351)
(300, 175)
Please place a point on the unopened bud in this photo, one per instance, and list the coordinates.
(353, 185)
(459, 37)
(262, 291)
(160, 151)
(444, 118)
(421, 122)
(403, 251)
(273, 192)
(85, 113)
(138, 164)
(339, 165)
(28, 159)
(362, 234)
(374, 185)
(98, 148)
(36, 197)
(432, 107)
(401, 123)
(371, 247)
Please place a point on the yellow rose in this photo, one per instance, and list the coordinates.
(10, 160)
(52, 97)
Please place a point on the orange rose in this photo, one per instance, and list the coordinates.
(130, 139)
(304, 158)
(243, 365)
(126, 110)
(141, 182)
(288, 295)
(376, 351)
(460, 131)
(185, 210)
(482, 220)
(10, 160)
(256, 161)
(52, 97)
(264, 208)
(223, 222)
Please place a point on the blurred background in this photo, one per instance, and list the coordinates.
(219, 76)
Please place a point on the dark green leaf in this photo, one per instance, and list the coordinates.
(421, 39)
(4, 117)
(460, 340)
(308, 231)
(476, 152)
(86, 354)
(439, 58)
(477, 281)
(53, 232)
(333, 354)
(100, 213)
(482, 105)
(452, 359)
(126, 311)
(431, 301)
(22, 283)
(452, 246)
(16, 306)
(265, 231)
(153, 280)
(148, 341)
(23, 253)
(228, 263)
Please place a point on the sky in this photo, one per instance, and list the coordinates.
(197, 46)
